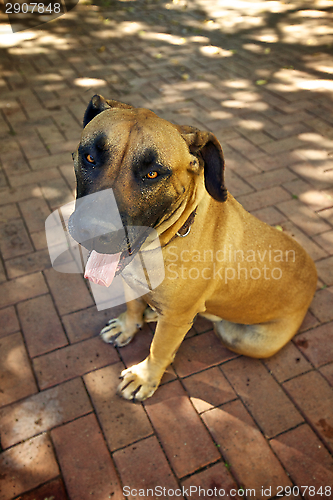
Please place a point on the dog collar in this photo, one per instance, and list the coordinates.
(186, 228)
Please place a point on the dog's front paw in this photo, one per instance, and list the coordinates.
(117, 332)
(138, 383)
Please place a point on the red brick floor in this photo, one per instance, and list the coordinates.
(258, 75)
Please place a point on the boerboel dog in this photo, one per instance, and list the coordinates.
(254, 282)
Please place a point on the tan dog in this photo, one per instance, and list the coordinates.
(254, 282)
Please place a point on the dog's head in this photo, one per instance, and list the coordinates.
(152, 166)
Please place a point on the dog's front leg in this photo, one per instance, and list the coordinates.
(140, 381)
(120, 331)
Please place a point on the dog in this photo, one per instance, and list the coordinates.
(254, 282)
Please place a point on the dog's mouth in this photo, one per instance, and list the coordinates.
(108, 256)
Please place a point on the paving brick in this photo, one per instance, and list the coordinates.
(85, 462)
(123, 423)
(35, 211)
(68, 173)
(26, 97)
(72, 361)
(297, 186)
(208, 389)
(50, 161)
(53, 489)
(41, 326)
(143, 466)
(26, 466)
(236, 186)
(308, 322)
(246, 148)
(327, 372)
(314, 250)
(3, 276)
(57, 193)
(15, 165)
(286, 130)
(254, 137)
(184, 438)
(271, 178)
(68, 290)
(8, 212)
(325, 270)
(321, 305)
(287, 363)
(8, 321)
(325, 240)
(239, 164)
(14, 239)
(306, 459)
(22, 288)
(43, 411)
(314, 397)
(313, 198)
(50, 134)
(3, 180)
(320, 176)
(327, 215)
(13, 195)
(269, 215)
(32, 146)
(202, 325)
(317, 344)
(14, 115)
(16, 377)
(34, 177)
(303, 217)
(85, 324)
(199, 353)
(39, 240)
(282, 145)
(262, 395)
(68, 125)
(9, 148)
(264, 198)
(251, 460)
(214, 482)
(27, 264)
(268, 162)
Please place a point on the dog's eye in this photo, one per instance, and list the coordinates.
(90, 159)
(152, 175)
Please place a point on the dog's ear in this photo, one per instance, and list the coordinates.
(205, 145)
(99, 104)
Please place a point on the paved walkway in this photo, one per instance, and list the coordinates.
(257, 74)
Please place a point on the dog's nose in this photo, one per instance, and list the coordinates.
(84, 227)
(96, 234)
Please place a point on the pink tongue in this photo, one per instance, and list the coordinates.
(101, 268)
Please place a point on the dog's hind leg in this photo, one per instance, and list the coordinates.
(260, 340)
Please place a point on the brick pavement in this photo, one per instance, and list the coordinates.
(259, 75)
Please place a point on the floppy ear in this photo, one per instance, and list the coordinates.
(99, 104)
(205, 145)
